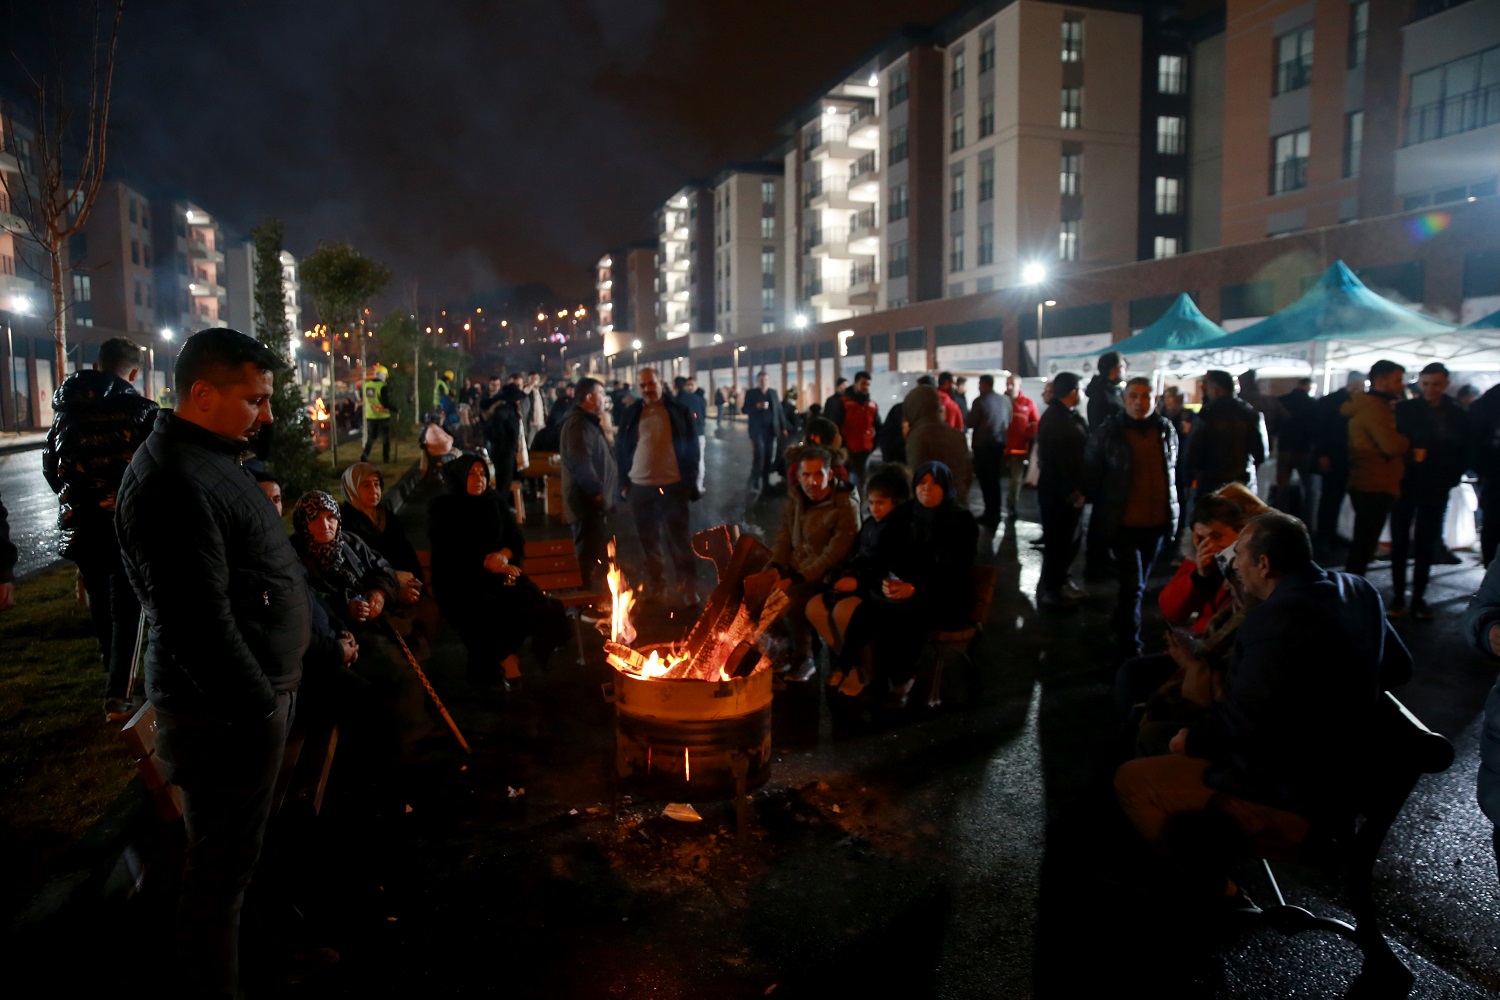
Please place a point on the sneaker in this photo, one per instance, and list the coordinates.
(1396, 609)
(801, 673)
(1420, 611)
(120, 709)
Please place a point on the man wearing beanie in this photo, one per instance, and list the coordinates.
(1130, 468)
(1061, 439)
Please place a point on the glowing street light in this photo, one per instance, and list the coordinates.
(800, 322)
(1034, 273)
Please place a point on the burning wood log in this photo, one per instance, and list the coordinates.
(716, 544)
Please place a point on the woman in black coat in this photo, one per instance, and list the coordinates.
(477, 556)
(364, 513)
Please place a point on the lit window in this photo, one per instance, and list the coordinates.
(986, 244)
(1072, 167)
(768, 227)
(1166, 246)
(1067, 240)
(1170, 74)
(1289, 161)
(1168, 196)
(956, 254)
(987, 52)
(1072, 39)
(1072, 103)
(1169, 141)
(1294, 60)
(986, 117)
(958, 131)
(957, 77)
(956, 197)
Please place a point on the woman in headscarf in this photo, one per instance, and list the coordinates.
(937, 588)
(363, 513)
(477, 556)
(361, 587)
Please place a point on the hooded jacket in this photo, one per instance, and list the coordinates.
(815, 537)
(464, 529)
(1376, 449)
(222, 589)
(932, 439)
(98, 422)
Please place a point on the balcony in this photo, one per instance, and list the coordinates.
(864, 281)
(1459, 113)
(865, 171)
(679, 292)
(827, 241)
(680, 261)
(827, 192)
(8, 218)
(830, 142)
(865, 225)
(1289, 175)
(864, 125)
(828, 290)
(203, 253)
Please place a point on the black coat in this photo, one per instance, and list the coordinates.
(223, 591)
(364, 570)
(465, 529)
(1109, 468)
(1105, 399)
(890, 440)
(1331, 431)
(391, 544)
(684, 440)
(1061, 437)
(1299, 428)
(98, 422)
(767, 421)
(1442, 430)
(1228, 442)
(940, 563)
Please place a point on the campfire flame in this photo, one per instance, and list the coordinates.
(621, 600)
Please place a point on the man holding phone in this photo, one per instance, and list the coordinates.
(1438, 430)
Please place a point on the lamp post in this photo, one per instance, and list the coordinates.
(1034, 274)
(18, 304)
(635, 347)
(167, 335)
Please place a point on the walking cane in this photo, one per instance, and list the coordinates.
(135, 661)
(422, 676)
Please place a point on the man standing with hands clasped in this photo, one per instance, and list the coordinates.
(763, 412)
(657, 451)
(226, 605)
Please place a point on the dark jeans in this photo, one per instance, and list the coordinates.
(1428, 515)
(1096, 543)
(1370, 512)
(1135, 550)
(115, 611)
(590, 536)
(1288, 462)
(661, 520)
(989, 459)
(377, 429)
(1137, 679)
(1060, 523)
(1334, 484)
(763, 445)
(227, 775)
(858, 461)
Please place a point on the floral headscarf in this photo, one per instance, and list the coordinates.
(324, 558)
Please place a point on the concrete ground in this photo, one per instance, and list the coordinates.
(970, 853)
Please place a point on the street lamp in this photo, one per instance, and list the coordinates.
(18, 304)
(635, 346)
(1034, 274)
(167, 335)
(800, 322)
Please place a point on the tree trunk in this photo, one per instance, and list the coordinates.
(59, 317)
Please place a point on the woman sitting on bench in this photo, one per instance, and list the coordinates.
(477, 556)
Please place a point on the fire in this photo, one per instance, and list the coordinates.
(320, 411)
(621, 600)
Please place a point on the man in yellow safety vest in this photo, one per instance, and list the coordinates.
(378, 413)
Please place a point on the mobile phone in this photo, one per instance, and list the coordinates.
(1225, 558)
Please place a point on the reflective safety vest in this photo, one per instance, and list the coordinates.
(374, 408)
(439, 390)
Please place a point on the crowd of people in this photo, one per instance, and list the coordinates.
(174, 523)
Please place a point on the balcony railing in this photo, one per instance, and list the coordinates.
(1289, 175)
(821, 186)
(828, 284)
(866, 164)
(826, 134)
(865, 219)
(863, 274)
(1459, 113)
(824, 236)
(7, 265)
(860, 114)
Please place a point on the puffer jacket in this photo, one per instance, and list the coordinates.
(932, 439)
(98, 422)
(1377, 449)
(223, 591)
(1109, 467)
(588, 468)
(1227, 443)
(816, 537)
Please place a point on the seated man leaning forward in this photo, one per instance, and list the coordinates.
(1307, 672)
(818, 527)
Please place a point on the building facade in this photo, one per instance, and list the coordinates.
(239, 285)
(684, 263)
(190, 291)
(113, 284)
(749, 292)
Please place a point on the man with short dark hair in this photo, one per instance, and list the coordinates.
(989, 418)
(1331, 454)
(1377, 451)
(1061, 440)
(766, 423)
(693, 401)
(1295, 438)
(1229, 437)
(1438, 430)
(226, 605)
(1310, 663)
(98, 422)
(858, 421)
(656, 452)
(1104, 400)
(589, 479)
(1131, 471)
(833, 406)
(952, 413)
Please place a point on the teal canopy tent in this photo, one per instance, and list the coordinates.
(1181, 332)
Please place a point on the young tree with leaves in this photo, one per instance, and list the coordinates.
(292, 456)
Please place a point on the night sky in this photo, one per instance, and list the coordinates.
(469, 146)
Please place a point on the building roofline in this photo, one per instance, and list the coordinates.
(763, 168)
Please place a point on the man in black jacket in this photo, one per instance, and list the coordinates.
(1295, 439)
(1131, 471)
(1438, 430)
(588, 479)
(656, 450)
(1309, 665)
(1061, 439)
(98, 422)
(763, 414)
(226, 606)
(689, 396)
(1229, 437)
(1331, 450)
(1484, 458)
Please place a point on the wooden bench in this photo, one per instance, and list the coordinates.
(1400, 749)
(946, 645)
(553, 566)
(300, 784)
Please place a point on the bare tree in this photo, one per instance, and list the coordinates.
(52, 208)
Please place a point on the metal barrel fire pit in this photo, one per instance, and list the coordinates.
(690, 739)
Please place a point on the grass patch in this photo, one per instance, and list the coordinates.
(61, 764)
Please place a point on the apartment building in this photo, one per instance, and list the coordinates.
(190, 292)
(910, 180)
(239, 285)
(19, 267)
(113, 282)
(625, 280)
(685, 263)
(1043, 130)
(749, 291)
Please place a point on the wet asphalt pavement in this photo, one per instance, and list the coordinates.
(974, 852)
(32, 507)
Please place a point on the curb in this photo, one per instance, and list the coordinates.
(16, 449)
